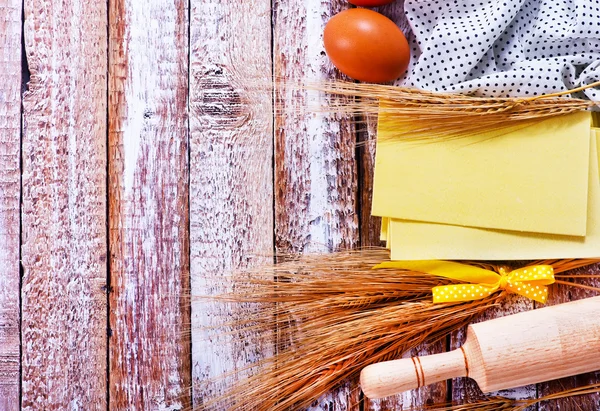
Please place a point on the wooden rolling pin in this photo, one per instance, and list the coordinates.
(507, 352)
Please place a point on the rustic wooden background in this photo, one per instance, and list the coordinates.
(139, 159)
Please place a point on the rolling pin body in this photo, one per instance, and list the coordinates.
(507, 352)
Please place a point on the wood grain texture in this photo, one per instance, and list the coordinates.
(316, 188)
(64, 207)
(424, 396)
(148, 205)
(10, 192)
(231, 185)
(315, 169)
(561, 294)
(465, 389)
(370, 228)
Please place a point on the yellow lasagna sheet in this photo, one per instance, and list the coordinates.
(530, 179)
(411, 240)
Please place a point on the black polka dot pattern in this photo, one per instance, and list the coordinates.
(504, 48)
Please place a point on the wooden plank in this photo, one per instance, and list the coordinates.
(561, 294)
(316, 184)
(316, 205)
(10, 192)
(148, 205)
(369, 233)
(64, 207)
(231, 181)
(370, 227)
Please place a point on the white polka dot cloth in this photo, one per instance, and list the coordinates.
(505, 48)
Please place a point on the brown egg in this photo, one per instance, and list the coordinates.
(366, 46)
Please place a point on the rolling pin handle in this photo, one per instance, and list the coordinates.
(392, 377)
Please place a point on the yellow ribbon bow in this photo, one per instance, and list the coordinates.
(529, 282)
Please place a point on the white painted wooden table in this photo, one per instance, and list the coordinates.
(139, 160)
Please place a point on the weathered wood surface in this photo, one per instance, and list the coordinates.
(149, 355)
(10, 192)
(255, 182)
(315, 170)
(316, 204)
(64, 207)
(231, 184)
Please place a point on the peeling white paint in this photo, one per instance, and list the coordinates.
(10, 84)
(63, 218)
(152, 156)
(319, 206)
(143, 85)
(140, 81)
(231, 176)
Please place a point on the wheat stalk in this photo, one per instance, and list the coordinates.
(416, 113)
(334, 315)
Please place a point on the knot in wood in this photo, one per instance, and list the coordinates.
(218, 100)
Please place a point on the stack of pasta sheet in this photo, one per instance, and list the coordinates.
(521, 192)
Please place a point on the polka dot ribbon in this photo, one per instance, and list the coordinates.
(529, 281)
